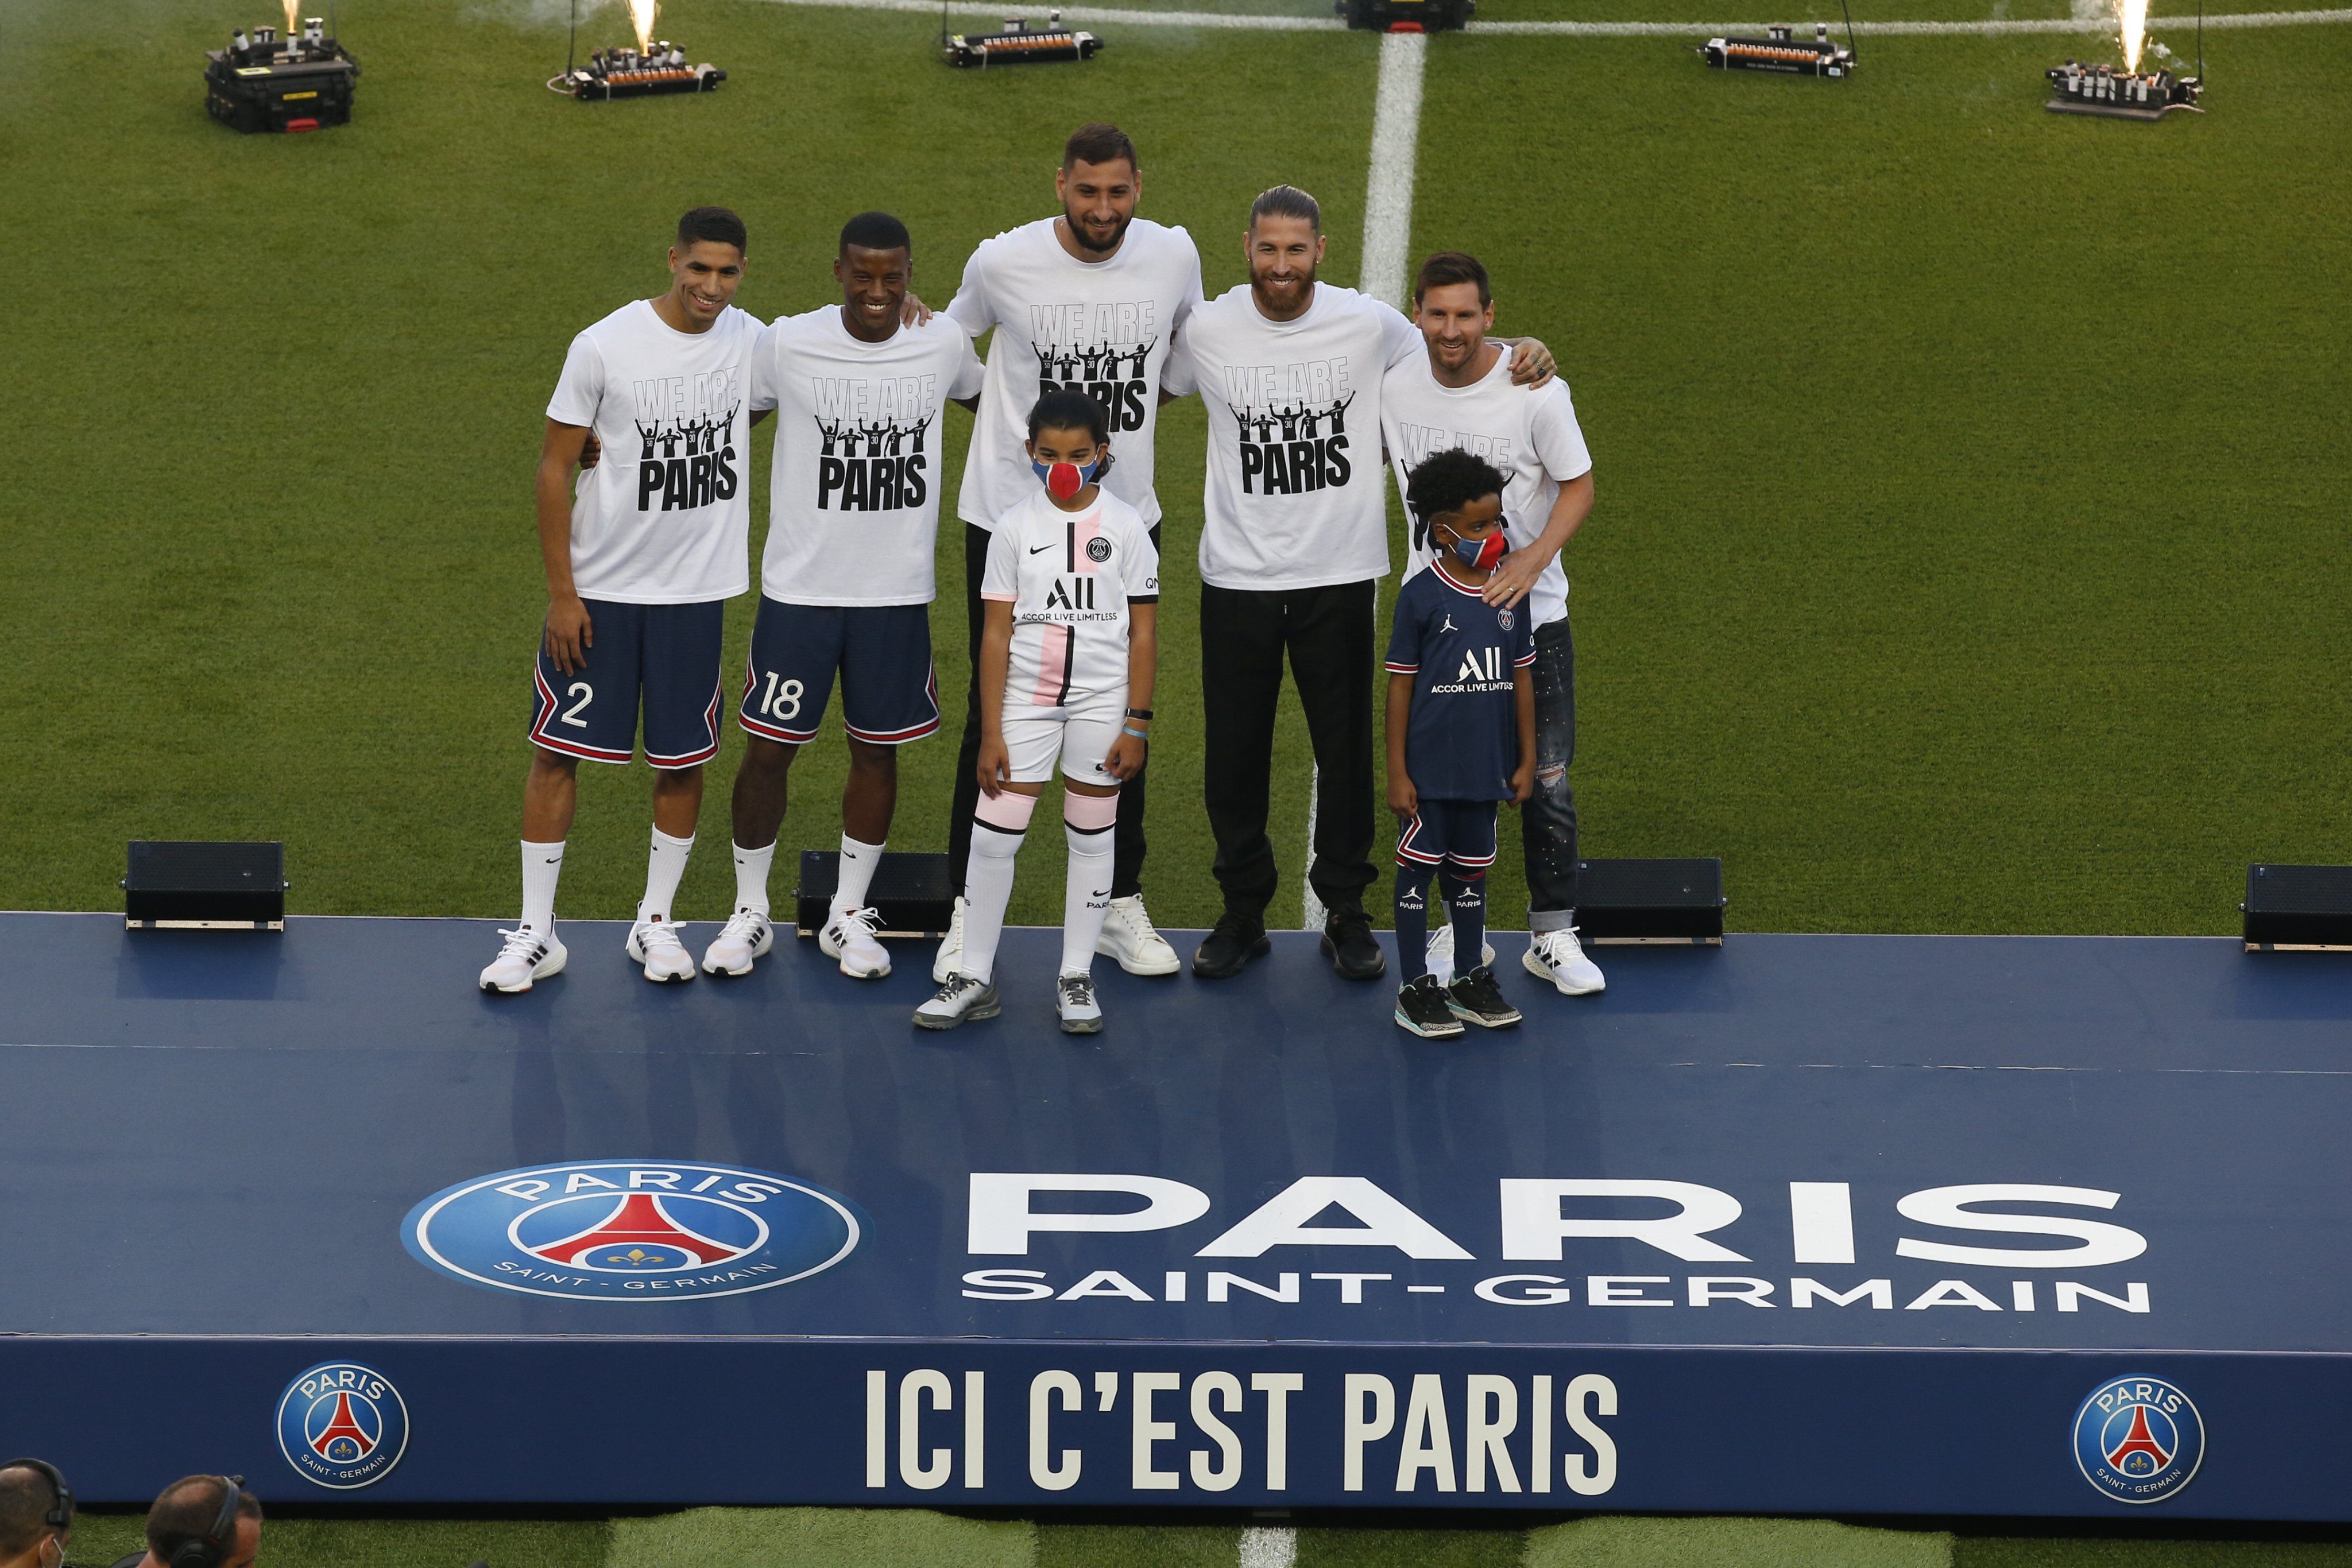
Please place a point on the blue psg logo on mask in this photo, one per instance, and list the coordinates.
(633, 1230)
(341, 1425)
(2138, 1439)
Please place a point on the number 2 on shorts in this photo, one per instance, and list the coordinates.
(586, 693)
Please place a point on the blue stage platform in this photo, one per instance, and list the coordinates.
(1807, 1224)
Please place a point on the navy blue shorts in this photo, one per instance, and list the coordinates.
(1458, 831)
(883, 652)
(666, 653)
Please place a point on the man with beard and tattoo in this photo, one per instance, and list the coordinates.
(1294, 538)
(1090, 299)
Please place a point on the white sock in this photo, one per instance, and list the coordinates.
(751, 876)
(857, 863)
(541, 865)
(664, 866)
(997, 827)
(1086, 897)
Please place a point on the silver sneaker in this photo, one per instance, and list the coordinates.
(1073, 998)
(963, 998)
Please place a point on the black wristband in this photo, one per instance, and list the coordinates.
(1143, 713)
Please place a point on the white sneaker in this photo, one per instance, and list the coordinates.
(1554, 956)
(849, 937)
(1440, 954)
(1073, 998)
(1127, 937)
(962, 998)
(748, 936)
(655, 944)
(527, 956)
(951, 954)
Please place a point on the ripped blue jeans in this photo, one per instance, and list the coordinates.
(1547, 821)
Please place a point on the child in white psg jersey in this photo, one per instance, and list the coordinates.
(1067, 657)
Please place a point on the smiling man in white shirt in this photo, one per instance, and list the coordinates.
(1458, 393)
(1295, 536)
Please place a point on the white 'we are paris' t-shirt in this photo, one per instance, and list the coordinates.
(1294, 497)
(665, 517)
(1100, 327)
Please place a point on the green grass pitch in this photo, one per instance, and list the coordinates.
(1971, 552)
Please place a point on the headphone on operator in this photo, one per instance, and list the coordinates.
(60, 1515)
(211, 1549)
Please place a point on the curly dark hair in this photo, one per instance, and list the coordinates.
(1447, 481)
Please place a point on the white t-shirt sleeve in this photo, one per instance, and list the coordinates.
(969, 310)
(764, 382)
(1193, 296)
(1176, 376)
(1143, 568)
(1558, 440)
(1400, 339)
(970, 376)
(999, 577)
(581, 387)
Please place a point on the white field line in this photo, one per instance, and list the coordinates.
(1106, 16)
(1388, 234)
(2002, 28)
(1269, 1547)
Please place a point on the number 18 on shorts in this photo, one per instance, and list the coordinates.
(882, 654)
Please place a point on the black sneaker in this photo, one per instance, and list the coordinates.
(1233, 941)
(1421, 1009)
(1475, 997)
(1348, 943)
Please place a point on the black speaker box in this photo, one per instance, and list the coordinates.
(2298, 908)
(204, 886)
(910, 890)
(1620, 902)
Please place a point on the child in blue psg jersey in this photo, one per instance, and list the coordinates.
(1462, 734)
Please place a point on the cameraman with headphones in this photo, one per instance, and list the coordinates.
(202, 1521)
(36, 1513)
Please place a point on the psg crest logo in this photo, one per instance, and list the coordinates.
(633, 1230)
(2138, 1439)
(341, 1425)
(1099, 550)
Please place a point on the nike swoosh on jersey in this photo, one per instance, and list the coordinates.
(1040, 549)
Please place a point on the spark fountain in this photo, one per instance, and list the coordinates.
(2128, 94)
(652, 66)
(299, 82)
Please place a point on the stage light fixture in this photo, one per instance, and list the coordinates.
(1783, 52)
(1017, 45)
(2129, 93)
(263, 82)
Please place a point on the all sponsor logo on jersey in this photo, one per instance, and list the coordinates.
(1294, 425)
(633, 1230)
(685, 431)
(341, 1425)
(2138, 1439)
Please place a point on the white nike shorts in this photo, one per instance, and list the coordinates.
(1079, 737)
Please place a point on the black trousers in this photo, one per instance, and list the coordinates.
(1127, 838)
(1328, 634)
(1547, 821)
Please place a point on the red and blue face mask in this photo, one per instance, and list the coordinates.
(1481, 555)
(1064, 480)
